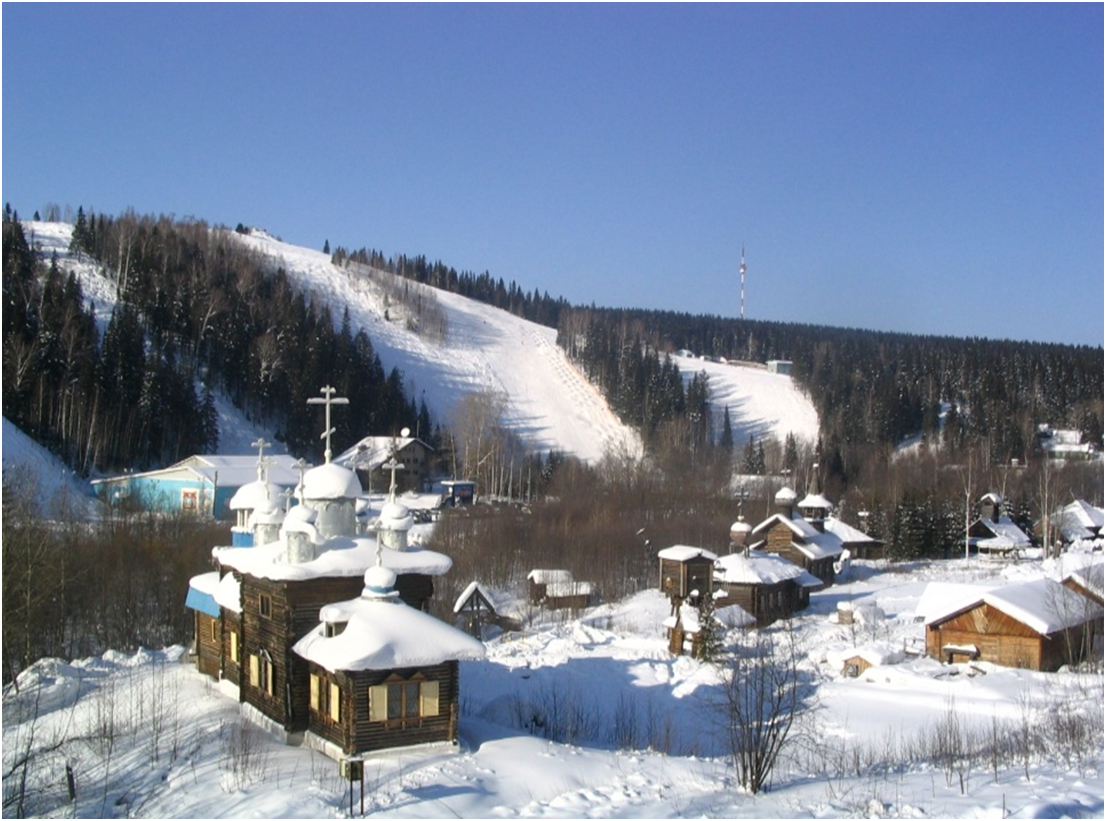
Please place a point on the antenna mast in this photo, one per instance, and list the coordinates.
(743, 280)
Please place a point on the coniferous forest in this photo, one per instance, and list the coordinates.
(198, 312)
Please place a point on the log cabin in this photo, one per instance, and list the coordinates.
(765, 586)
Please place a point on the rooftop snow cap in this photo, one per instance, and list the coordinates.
(331, 481)
(786, 496)
(739, 531)
(253, 495)
(379, 583)
(396, 516)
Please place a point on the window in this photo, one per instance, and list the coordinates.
(404, 700)
(334, 628)
(189, 500)
(261, 672)
(316, 694)
(234, 647)
(335, 703)
(215, 631)
(265, 605)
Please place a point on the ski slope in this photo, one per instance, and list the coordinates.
(486, 352)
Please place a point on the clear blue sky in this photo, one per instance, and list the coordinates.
(929, 169)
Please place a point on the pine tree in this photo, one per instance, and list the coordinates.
(727, 432)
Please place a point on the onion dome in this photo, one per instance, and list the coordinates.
(379, 583)
(254, 495)
(786, 496)
(331, 481)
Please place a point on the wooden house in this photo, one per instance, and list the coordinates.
(686, 571)
(1038, 625)
(765, 586)
(381, 674)
(1079, 521)
(372, 456)
(994, 534)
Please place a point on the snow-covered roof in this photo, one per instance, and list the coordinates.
(816, 500)
(342, 556)
(683, 553)
(331, 481)
(1007, 530)
(468, 591)
(201, 593)
(267, 514)
(811, 542)
(396, 516)
(760, 568)
(786, 496)
(875, 653)
(228, 594)
(847, 533)
(383, 633)
(222, 470)
(255, 494)
(1079, 520)
(541, 576)
(558, 590)
(1043, 605)
(373, 451)
(1085, 569)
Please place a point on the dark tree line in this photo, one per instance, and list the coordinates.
(871, 390)
(196, 312)
(535, 306)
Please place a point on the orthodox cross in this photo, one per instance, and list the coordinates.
(301, 466)
(260, 444)
(328, 399)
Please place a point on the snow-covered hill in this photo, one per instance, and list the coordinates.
(25, 461)
(545, 399)
(548, 401)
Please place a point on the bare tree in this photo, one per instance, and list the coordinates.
(765, 698)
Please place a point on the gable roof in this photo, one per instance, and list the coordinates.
(683, 553)
(1043, 605)
(223, 470)
(373, 451)
(812, 542)
(847, 533)
(761, 568)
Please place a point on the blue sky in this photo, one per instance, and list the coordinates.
(929, 169)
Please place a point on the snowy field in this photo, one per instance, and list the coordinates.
(638, 733)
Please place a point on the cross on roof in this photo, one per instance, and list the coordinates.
(260, 444)
(328, 399)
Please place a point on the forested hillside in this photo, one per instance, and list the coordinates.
(196, 312)
(872, 390)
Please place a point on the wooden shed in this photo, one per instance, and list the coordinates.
(685, 569)
(1037, 625)
(557, 590)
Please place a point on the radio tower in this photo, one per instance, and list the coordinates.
(743, 280)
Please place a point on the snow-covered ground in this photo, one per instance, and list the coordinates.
(638, 732)
(761, 403)
(24, 460)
